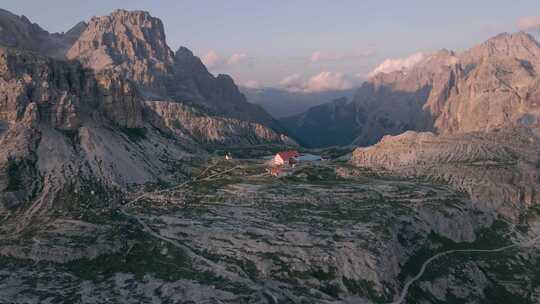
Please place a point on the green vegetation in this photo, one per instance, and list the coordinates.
(72, 135)
(143, 257)
(487, 238)
(335, 152)
(197, 108)
(88, 200)
(134, 134)
(314, 174)
(501, 265)
(15, 176)
(363, 287)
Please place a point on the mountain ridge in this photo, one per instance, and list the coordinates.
(135, 42)
(446, 92)
(65, 123)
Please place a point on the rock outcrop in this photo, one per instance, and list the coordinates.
(339, 125)
(19, 32)
(499, 170)
(63, 125)
(134, 43)
(62, 94)
(187, 122)
(491, 86)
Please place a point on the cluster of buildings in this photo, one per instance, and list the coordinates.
(288, 159)
(282, 163)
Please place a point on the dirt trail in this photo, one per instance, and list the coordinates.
(217, 268)
(405, 289)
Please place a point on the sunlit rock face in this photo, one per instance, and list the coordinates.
(70, 122)
(131, 42)
(134, 43)
(488, 87)
(508, 159)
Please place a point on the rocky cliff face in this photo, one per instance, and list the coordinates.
(499, 170)
(62, 125)
(325, 125)
(187, 122)
(61, 120)
(496, 86)
(491, 86)
(194, 84)
(131, 42)
(134, 43)
(19, 32)
(63, 94)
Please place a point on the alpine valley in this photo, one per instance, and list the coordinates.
(131, 174)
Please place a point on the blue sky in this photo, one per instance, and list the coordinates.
(270, 40)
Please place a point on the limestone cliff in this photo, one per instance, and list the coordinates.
(490, 86)
(499, 170)
(134, 43)
(19, 32)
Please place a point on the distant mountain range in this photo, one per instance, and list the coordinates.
(283, 103)
(493, 85)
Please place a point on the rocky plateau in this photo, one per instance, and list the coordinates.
(113, 189)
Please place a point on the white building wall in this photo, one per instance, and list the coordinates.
(278, 160)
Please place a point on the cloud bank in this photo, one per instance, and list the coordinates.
(398, 64)
(237, 58)
(252, 84)
(324, 81)
(213, 60)
(529, 24)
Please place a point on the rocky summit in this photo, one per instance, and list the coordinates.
(134, 43)
(490, 86)
(69, 125)
(131, 174)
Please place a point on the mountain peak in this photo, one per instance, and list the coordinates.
(132, 41)
(76, 31)
(121, 11)
(122, 35)
(18, 31)
(518, 38)
(184, 51)
(519, 45)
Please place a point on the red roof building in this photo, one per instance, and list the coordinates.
(285, 157)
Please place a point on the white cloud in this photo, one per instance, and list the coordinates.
(529, 24)
(398, 64)
(237, 58)
(212, 59)
(324, 81)
(292, 82)
(252, 84)
(329, 81)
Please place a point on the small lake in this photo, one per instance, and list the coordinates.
(302, 157)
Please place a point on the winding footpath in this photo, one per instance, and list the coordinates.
(223, 271)
(405, 289)
(218, 268)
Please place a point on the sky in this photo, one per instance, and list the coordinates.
(305, 45)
